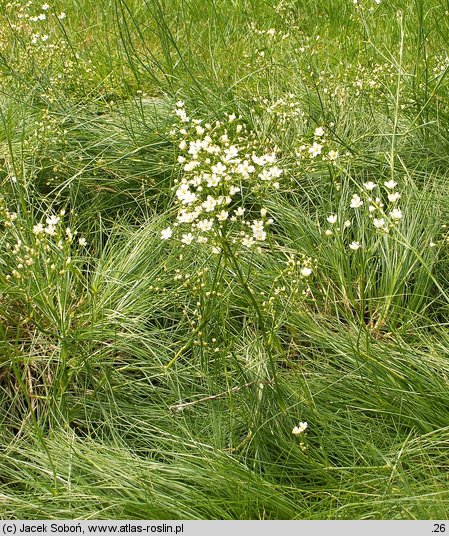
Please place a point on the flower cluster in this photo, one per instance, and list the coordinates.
(298, 431)
(32, 22)
(317, 148)
(224, 176)
(356, 2)
(357, 79)
(47, 247)
(7, 218)
(272, 33)
(441, 65)
(302, 427)
(292, 282)
(283, 108)
(266, 44)
(40, 29)
(377, 203)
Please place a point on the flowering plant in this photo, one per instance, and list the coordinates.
(223, 171)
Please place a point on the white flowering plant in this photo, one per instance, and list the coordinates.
(372, 210)
(225, 179)
(41, 265)
(224, 175)
(369, 229)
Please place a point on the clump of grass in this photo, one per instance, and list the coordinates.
(223, 283)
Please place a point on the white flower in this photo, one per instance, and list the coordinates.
(354, 246)
(319, 132)
(223, 215)
(347, 224)
(300, 429)
(180, 104)
(378, 222)
(187, 238)
(231, 153)
(356, 202)
(191, 165)
(61, 16)
(396, 214)
(166, 233)
(212, 180)
(390, 184)
(332, 155)
(275, 172)
(195, 148)
(394, 197)
(184, 194)
(369, 185)
(45, 7)
(224, 200)
(50, 230)
(265, 175)
(248, 241)
(82, 242)
(240, 211)
(234, 190)
(259, 160)
(258, 230)
(259, 235)
(38, 229)
(180, 112)
(209, 204)
(219, 169)
(315, 149)
(305, 271)
(196, 181)
(205, 225)
(332, 218)
(328, 232)
(269, 158)
(187, 217)
(52, 220)
(245, 168)
(211, 149)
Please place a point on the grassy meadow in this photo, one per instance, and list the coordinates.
(224, 259)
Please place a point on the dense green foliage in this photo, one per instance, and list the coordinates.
(146, 377)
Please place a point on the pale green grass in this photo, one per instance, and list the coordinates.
(117, 400)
